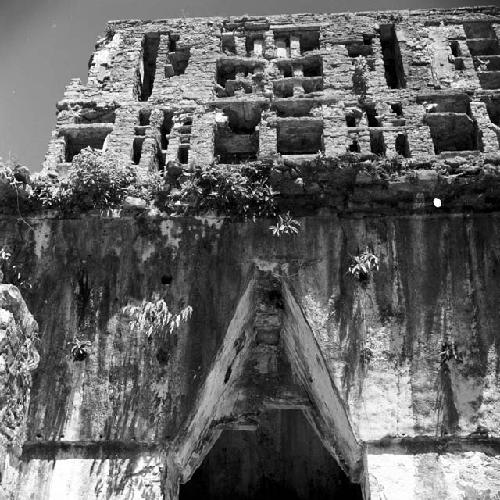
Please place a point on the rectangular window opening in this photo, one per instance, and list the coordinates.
(350, 120)
(479, 29)
(453, 132)
(484, 47)
(237, 133)
(144, 117)
(456, 53)
(402, 147)
(489, 80)
(239, 75)
(354, 147)
(228, 44)
(165, 129)
(296, 137)
(309, 40)
(459, 64)
(371, 116)
(309, 66)
(455, 48)
(296, 86)
(137, 152)
(393, 64)
(312, 66)
(283, 88)
(397, 108)
(297, 107)
(183, 154)
(160, 159)
(286, 69)
(96, 115)
(254, 45)
(359, 49)
(150, 45)
(377, 144)
(81, 137)
(179, 60)
(493, 108)
(445, 103)
(282, 43)
(182, 126)
(487, 63)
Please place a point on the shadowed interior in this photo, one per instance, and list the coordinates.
(283, 458)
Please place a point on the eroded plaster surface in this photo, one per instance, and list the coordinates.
(380, 130)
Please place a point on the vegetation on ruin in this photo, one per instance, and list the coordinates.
(80, 349)
(103, 181)
(154, 316)
(95, 181)
(12, 272)
(449, 352)
(361, 268)
(241, 190)
(285, 225)
(365, 356)
(363, 265)
(99, 181)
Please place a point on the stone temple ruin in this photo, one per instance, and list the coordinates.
(293, 377)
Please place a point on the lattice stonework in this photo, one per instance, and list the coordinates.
(236, 90)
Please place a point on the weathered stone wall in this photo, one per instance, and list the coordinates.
(18, 358)
(198, 89)
(381, 344)
(382, 131)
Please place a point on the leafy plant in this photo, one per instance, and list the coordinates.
(79, 349)
(51, 192)
(4, 255)
(98, 180)
(364, 265)
(9, 177)
(365, 356)
(450, 352)
(12, 273)
(154, 316)
(285, 225)
(95, 181)
(242, 190)
(14, 185)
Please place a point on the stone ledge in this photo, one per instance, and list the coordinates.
(429, 444)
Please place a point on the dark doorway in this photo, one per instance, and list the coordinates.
(283, 458)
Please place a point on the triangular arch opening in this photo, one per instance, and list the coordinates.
(281, 458)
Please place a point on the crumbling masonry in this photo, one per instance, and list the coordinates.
(291, 378)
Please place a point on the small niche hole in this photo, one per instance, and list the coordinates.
(166, 279)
